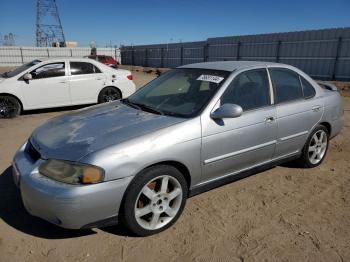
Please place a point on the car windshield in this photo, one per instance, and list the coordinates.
(179, 92)
(20, 69)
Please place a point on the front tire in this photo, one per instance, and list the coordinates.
(9, 107)
(109, 94)
(154, 200)
(316, 147)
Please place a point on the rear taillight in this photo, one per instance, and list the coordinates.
(130, 77)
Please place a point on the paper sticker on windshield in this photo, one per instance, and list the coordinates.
(210, 78)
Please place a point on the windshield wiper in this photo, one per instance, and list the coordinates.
(147, 108)
(128, 102)
(150, 109)
(142, 107)
(168, 113)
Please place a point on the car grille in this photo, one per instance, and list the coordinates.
(31, 152)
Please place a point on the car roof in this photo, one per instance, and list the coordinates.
(230, 65)
(99, 56)
(76, 59)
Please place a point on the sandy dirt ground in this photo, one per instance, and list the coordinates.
(283, 214)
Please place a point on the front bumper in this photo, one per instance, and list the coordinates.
(68, 206)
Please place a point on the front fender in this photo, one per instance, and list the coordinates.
(180, 143)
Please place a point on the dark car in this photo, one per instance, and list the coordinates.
(105, 59)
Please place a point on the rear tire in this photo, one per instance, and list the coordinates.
(316, 146)
(154, 200)
(109, 94)
(10, 107)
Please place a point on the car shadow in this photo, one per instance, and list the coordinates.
(13, 213)
(55, 109)
(295, 164)
(118, 230)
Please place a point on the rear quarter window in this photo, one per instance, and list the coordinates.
(308, 89)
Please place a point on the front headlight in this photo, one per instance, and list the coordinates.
(71, 172)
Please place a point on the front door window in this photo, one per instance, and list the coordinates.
(49, 70)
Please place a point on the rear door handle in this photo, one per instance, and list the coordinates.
(63, 82)
(98, 78)
(269, 119)
(316, 108)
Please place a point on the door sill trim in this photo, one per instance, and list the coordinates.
(217, 182)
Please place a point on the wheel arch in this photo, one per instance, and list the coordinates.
(179, 166)
(126, 213)
(327, 126)
(19, 100)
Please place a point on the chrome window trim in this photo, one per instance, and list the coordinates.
(272, 93)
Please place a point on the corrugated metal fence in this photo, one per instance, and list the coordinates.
(164, 55)
(14, 55)
(323, 54)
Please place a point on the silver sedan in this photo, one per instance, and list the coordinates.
(194, 128)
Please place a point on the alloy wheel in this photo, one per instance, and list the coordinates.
(158, 202)
(7, 107)
(110, 94)
(317, 147)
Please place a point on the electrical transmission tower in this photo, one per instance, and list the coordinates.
(49, 30)
(9, 40)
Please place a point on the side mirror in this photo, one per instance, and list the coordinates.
(227, 111)
(28, 77)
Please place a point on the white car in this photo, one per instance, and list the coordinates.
(61, 82)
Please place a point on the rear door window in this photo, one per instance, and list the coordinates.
(286, 85)
(83, 68)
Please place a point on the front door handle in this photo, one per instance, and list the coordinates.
(98, 78)
(63, 82)
(269, 119)
(316, 108)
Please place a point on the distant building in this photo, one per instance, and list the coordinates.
(71, 44)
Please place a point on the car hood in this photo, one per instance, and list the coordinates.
(2, 79)
(74, 135)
